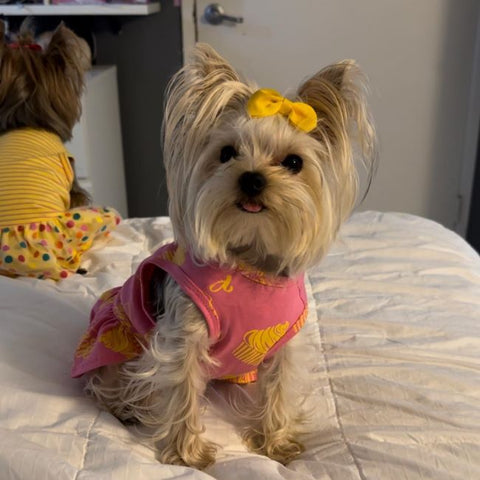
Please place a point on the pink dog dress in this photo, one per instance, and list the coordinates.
(249, 315)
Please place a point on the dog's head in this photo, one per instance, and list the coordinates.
(250, 186)
(41, 87)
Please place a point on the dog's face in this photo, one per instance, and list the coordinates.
(41, 87)
(260, 191)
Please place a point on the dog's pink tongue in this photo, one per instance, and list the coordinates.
(252, 207)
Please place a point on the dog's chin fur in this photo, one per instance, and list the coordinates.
(295, 218)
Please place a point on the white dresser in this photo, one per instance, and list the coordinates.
(97, 141)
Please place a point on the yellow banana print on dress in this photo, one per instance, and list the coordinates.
(85, 346)
(176, 256)
(122, 340)
(243, 378)
(257, 343)
(107, 297)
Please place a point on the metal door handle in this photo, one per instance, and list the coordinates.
(215, 15)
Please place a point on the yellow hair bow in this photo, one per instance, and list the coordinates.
(267, 102)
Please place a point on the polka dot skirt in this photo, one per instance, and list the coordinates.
(53, 248)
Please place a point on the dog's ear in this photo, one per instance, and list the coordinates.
(208, 66)
(59, 41)
(26, 32)
(205, 74)
(338, 95)
(69, 50)
(205, 88)
(333, 96)
(64, 62)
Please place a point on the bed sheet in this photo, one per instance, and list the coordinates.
(390, 356)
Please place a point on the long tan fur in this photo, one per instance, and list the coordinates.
(43, 89)
(301, 214)
(30, 82)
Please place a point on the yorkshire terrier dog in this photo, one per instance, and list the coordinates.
(259, 186)
(45, 223)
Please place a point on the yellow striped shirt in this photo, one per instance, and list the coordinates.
(35, 176)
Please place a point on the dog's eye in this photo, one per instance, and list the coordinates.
(293, 162)
(228, 152)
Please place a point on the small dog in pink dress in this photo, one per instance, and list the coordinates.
(259, 185)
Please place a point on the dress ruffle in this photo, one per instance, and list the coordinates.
(53, 248)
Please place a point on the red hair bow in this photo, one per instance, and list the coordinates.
(31, 46)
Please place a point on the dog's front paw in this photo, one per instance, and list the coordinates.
(198, 454)
(280, 447)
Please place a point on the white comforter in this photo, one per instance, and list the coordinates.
(390, 353)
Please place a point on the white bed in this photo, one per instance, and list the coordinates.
(391, 353)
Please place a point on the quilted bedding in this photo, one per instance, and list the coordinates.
(390, 354)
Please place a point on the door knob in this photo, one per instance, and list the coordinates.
(215, 15)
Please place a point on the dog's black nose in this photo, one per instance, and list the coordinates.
(252, 183)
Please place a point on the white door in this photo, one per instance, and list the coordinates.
(420, 59)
